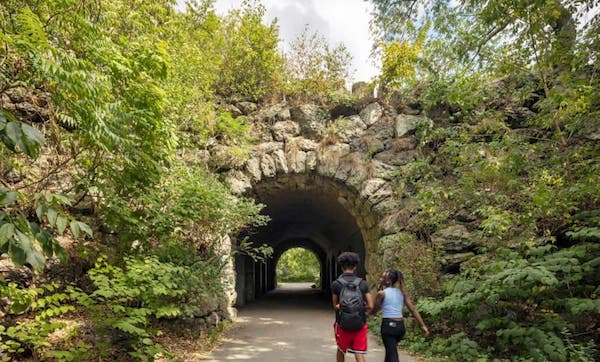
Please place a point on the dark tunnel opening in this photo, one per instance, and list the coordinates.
(306, 211)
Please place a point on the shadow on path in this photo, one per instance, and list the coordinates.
(291, 323)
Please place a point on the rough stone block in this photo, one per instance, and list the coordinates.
(455, 239)
(283, 130)
(253, 169)
(247, 107)
(270, 147)
(311, 161)
(371, 113)
(296, 161)
(280, 162)
(238, 182)
(348, 129)
(406, 123)
(311, 118)
(267, 166)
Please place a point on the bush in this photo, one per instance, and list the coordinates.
(251, 64)
(522, 304)
(315, 71)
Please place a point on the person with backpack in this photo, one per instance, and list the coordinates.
(351, 300)
(391, 298)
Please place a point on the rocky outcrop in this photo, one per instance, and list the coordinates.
(406, 123)
(458, 243)
(32, 106)
(311, 118)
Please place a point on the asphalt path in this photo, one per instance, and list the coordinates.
(291, 323)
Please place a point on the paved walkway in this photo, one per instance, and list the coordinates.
(292, 323)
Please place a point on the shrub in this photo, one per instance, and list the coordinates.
(315, 71)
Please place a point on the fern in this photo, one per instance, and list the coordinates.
(31, 30)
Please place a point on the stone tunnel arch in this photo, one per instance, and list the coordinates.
(324, 177)
(309, 211)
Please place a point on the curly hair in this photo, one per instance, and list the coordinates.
(394, 275)
(348, 260)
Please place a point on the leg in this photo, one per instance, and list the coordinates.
(389, 342)
(340, 356)
(342, 341)
(359, 357)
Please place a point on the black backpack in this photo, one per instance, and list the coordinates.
(351, 315)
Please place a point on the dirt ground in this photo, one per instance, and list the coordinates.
(292, 323)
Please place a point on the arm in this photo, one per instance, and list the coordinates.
(335, 299)
(369, 301)
(414, 311)
(378, 302)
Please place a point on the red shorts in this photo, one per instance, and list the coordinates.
(351, 341)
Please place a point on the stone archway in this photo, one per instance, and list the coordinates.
(325, 183)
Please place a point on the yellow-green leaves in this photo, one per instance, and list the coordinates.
(399, 60)
(250, 62)
(31, 33)
(316, 71)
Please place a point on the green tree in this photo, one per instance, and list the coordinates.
(315, 70)
(298, 265)
(251, 63)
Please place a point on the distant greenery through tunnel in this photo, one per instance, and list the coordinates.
(298, 265)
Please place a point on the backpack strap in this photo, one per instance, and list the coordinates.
(356, 281)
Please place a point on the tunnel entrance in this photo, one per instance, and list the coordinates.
(298, 265)
(307, 211)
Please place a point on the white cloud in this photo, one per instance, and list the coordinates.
(339, 21)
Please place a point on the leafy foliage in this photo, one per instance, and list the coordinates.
(514, 157)
(126, 298)
(30, 336)
(399, 60)
(102, 106)
(298, 265)
(251, 62)
(521, 304)
(316, 71)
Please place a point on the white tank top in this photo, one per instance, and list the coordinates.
(392, 303)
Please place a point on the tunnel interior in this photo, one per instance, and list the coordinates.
(306, 211)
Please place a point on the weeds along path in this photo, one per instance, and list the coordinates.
(292, 323)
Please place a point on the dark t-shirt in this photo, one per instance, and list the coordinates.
(336, 287)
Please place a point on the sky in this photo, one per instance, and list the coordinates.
(339, 21)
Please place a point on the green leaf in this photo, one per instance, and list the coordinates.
(33, 140)
(14, 132)
(6, 232)
(61, 224)
(3, 121)
(52, 216)
(32, 256)
(85, 228)
(39, 212)
(147, 341)
(16, 253)
(60, 252)
(45, 239)
(75, 229)
(8, 197)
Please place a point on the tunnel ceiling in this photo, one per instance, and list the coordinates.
(306, 209)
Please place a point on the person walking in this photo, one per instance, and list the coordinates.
(351, 301)
(391, 298)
